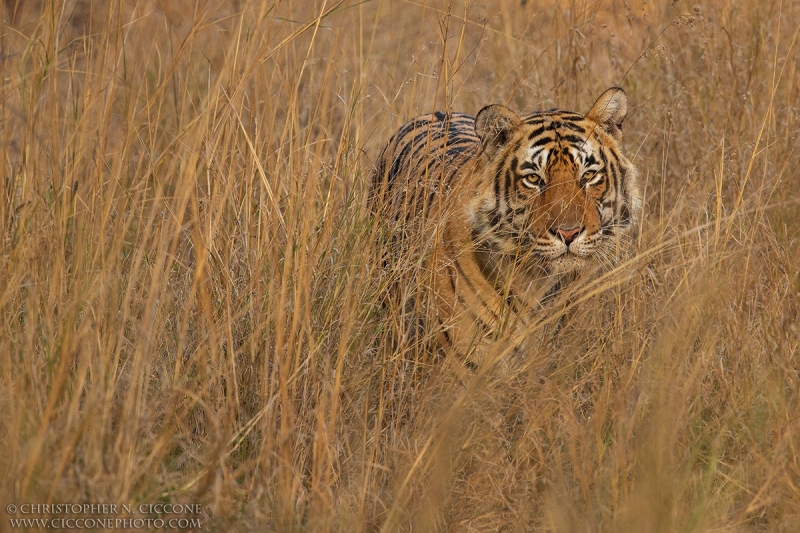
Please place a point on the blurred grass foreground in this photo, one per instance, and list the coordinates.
(192, 312)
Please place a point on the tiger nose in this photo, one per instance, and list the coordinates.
(568, 234)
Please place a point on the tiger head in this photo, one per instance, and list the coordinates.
(554, 188)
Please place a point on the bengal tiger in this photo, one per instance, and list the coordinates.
(510, 206)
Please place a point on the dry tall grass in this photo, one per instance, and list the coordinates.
(191, 305)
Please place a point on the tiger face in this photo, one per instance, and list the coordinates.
(556, 191)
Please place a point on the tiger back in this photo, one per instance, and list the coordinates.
(502, 209)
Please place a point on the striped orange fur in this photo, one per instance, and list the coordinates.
(511, 206)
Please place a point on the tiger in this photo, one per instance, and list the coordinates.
(510, 207)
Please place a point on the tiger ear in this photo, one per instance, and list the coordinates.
(494, 125)
(609, 111)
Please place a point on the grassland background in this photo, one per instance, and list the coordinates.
(190, 305)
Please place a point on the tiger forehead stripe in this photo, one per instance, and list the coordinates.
(537, 155)
(584, 151)
(590, 160)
